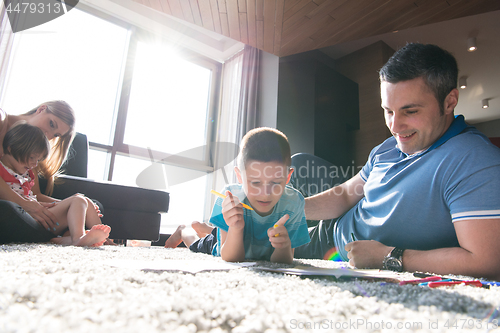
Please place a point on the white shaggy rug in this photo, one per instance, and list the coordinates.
(52, 288)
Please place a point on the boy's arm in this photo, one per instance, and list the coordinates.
(232, 245)
(280, 240)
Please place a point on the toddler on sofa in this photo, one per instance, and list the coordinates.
(24, 146)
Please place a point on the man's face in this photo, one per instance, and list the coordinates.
(412, 114)
(264, 183)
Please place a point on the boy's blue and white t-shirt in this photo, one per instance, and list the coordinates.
(256, 240)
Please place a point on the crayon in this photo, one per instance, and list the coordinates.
(417, 281)
(223, 197)
(475, 283)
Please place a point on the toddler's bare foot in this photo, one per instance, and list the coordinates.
(65, 240)
(109, 241)
(95, 236)
(175, 239)
(202, 229)
(98, 244)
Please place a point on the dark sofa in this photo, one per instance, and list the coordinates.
(131, 212)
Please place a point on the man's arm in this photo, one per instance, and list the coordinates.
(336, 201)
(478, 254)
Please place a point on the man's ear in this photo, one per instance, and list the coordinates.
(289, 175)
(451, 101)
(238, 175)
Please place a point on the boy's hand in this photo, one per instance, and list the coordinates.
(278, 235)
(232, 211)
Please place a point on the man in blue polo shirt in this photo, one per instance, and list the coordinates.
(428, 198)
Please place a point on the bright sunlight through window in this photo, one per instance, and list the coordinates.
(168, 101)
(167, 110)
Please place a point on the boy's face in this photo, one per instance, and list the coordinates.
(21, 167)
(264, 183)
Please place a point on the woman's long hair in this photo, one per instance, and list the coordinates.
(59, 145)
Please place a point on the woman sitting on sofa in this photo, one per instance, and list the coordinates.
(57, 120)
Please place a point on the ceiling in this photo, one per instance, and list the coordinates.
(338, 27)
(286, 27)
(482, 67)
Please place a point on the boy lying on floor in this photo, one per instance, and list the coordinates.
(276, 222)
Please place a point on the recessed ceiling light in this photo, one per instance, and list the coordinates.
(462, 82)
(485, 103)
(471, 44)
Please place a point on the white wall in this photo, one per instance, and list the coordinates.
(268, 90)
(490, 128)
(296, 104)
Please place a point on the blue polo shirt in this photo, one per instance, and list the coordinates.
(412, 201)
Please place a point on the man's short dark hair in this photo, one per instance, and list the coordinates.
(436, 66)
(264, 144)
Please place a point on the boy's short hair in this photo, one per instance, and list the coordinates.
(23, 140)
(436, 66)
(264, 144)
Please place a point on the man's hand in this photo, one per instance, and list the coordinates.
(367, 253)
(278, 235)
(232, 211)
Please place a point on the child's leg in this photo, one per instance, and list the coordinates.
(94, 232)
(201, 228)
(92, 216)
(71, 213)
(205, 244)
(182, 234)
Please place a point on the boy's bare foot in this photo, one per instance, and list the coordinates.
(202, 229)
(175, 239)
(95, 236)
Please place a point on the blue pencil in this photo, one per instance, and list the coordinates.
(491, 283)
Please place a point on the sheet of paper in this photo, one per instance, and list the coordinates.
(336, 272)
(188, 266)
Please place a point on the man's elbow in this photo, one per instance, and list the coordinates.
(488, 268)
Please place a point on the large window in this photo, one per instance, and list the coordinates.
(140, 101)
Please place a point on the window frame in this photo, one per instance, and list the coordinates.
(117, 145)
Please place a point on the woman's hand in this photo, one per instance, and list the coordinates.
(367, 253)
(39, 211)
